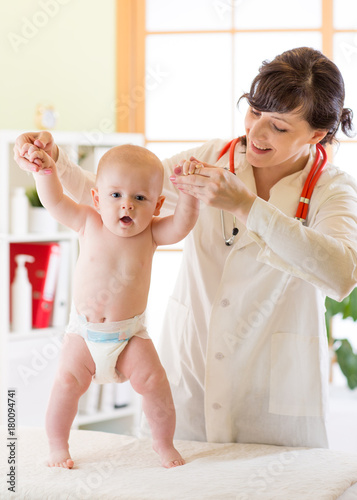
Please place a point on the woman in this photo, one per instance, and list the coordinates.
(244, 341)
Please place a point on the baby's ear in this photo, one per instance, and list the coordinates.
(159, 203)
(95, 198)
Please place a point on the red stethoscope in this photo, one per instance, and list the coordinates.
(306, 193)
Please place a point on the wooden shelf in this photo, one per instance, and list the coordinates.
(37, 333)
(38, 237)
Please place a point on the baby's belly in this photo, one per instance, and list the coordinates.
(110, 300)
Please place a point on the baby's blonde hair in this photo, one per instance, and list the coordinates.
(129, 153)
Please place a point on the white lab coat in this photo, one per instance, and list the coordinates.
(244, 342)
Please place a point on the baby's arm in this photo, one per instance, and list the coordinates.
(171, 229)
(50, 192)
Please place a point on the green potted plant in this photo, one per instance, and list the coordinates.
(345, 356)
(40, 221)
(33, 197)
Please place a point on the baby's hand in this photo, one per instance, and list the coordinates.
(188, 167)
(45, 164)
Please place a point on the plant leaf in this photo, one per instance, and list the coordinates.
(351, 309)
(33, 197)
(347, 360)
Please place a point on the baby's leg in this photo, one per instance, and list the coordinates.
(73, 378)
(140, 363)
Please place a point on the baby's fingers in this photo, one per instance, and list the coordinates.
(35, 156)
(186, 167)
(25, 149)
(26, 165)
(38, 157)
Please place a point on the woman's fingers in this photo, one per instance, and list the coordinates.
(42, 140)
(27, 165)
(216, 187)
(195, 185)
(202, 180)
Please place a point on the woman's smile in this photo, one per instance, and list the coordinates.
(259, 149)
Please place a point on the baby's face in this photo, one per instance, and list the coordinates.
(127, 197)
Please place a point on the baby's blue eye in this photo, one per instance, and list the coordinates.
(140, 197)
(116, 195)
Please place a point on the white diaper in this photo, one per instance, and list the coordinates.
(106, 341)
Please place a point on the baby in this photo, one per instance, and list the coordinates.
(106, 338)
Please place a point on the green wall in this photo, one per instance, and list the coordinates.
(57, 52)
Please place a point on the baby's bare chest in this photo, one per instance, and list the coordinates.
(127, 260)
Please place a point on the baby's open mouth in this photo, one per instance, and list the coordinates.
(126, 219)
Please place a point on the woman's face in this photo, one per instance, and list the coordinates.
(279, 140)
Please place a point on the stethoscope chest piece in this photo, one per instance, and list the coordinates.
(235, 231)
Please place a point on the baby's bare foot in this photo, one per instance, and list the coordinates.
(60, 458)
(170, 457)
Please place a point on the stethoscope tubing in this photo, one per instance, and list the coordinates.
(310, 183)
(306, 193)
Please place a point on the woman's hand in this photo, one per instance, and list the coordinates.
(214, 186)
(42, 140)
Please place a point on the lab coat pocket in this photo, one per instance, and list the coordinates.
(175, 324)
(295, 376)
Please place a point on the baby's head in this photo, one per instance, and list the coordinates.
(128, 189)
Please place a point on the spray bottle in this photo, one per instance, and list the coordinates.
(21, 296)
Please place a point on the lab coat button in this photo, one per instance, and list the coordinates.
(225, 302)
(219, 355)
(216, 406)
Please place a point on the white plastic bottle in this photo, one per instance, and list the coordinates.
(21, 296)
(19, 211)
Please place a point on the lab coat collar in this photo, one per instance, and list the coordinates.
(284, 195)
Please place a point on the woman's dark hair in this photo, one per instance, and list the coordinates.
(303, 79)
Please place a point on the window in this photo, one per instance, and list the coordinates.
(206, 52)
(197, 57)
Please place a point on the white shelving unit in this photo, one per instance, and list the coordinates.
(29, 351)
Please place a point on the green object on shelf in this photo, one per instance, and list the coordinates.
(33, 197)
(346, 358)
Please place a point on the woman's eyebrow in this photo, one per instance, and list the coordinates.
(278, 117)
